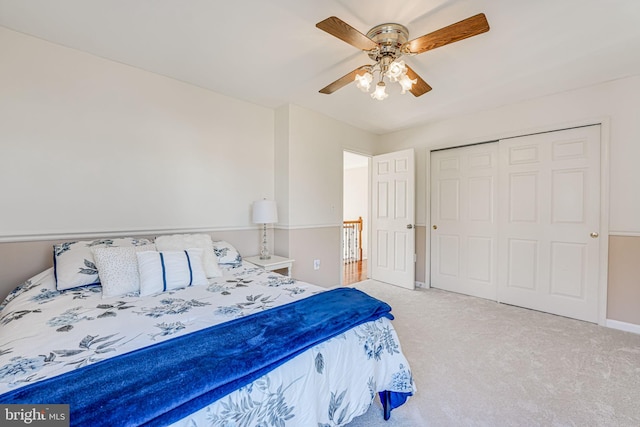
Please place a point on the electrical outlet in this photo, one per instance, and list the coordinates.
(316, 264)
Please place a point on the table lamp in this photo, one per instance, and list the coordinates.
(265, 212)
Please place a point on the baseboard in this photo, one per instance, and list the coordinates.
(623, 326)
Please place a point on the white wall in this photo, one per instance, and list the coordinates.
(89, 145)
(316, 147)
(312, 146)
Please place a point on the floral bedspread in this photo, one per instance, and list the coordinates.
(45, 332)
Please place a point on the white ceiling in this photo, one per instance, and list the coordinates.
(269, 52)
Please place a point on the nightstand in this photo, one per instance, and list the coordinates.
(274, 263)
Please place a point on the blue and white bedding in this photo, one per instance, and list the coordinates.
(45, 332)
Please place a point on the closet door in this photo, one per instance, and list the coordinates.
(549, 222)
(463, 214)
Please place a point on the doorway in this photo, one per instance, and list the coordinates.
(355, 227)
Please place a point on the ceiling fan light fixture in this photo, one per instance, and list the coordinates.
(363, 82)
(386, 43)
(406, 83)
(380, 93)
(396, 70)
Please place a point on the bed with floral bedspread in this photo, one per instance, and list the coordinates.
(45, 332)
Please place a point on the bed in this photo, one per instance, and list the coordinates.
(65, 341)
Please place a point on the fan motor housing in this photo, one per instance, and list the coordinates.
(390, 37)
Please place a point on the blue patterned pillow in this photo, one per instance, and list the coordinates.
(74, 264)
(226, 253)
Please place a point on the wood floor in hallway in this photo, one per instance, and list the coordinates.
(354, 272)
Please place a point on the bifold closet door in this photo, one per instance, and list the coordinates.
(463, 215)
(549, 222)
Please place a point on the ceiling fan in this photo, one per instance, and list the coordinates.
(386, 44)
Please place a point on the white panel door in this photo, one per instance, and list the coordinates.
(463, 214)
(549, 222)
(393, 218)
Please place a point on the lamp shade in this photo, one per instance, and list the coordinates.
(265, 212)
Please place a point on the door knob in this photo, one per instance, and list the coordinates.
(409, 226)
(594, 235)
(435, 227)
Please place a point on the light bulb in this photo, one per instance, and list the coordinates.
(363, 82)
(379, 93)
(406, 83)
(397, 69)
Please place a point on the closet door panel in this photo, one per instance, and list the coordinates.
(549, 222)
(463, 212)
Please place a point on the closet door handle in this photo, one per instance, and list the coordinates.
(435, 227)
(594, 235)
(409, 226)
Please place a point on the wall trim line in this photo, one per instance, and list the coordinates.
(623, 326)
(303, 227)
(97, 233)
(625, 233)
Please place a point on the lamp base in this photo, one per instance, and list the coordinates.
(264, 252)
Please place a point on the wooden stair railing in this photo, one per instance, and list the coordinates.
(352, 240)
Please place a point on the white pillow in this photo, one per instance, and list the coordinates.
(165, 270)
(73, 262)
(118, 269)
(180, 242)
(226, 253)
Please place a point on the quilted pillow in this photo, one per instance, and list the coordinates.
(73, 262)
(180, 242)
(166, 270)
(118, 269)
(226, 253)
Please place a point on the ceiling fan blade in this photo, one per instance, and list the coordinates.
(344, 80)
(455, 32)
(420, 87)
(345, 32)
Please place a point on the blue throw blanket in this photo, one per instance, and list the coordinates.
(162, 383)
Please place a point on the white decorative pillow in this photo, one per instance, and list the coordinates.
(118, 269)
(226, 253)
(73, 262)
(180, 242)
(166, 270)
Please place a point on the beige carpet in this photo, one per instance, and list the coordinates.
(480, 363)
